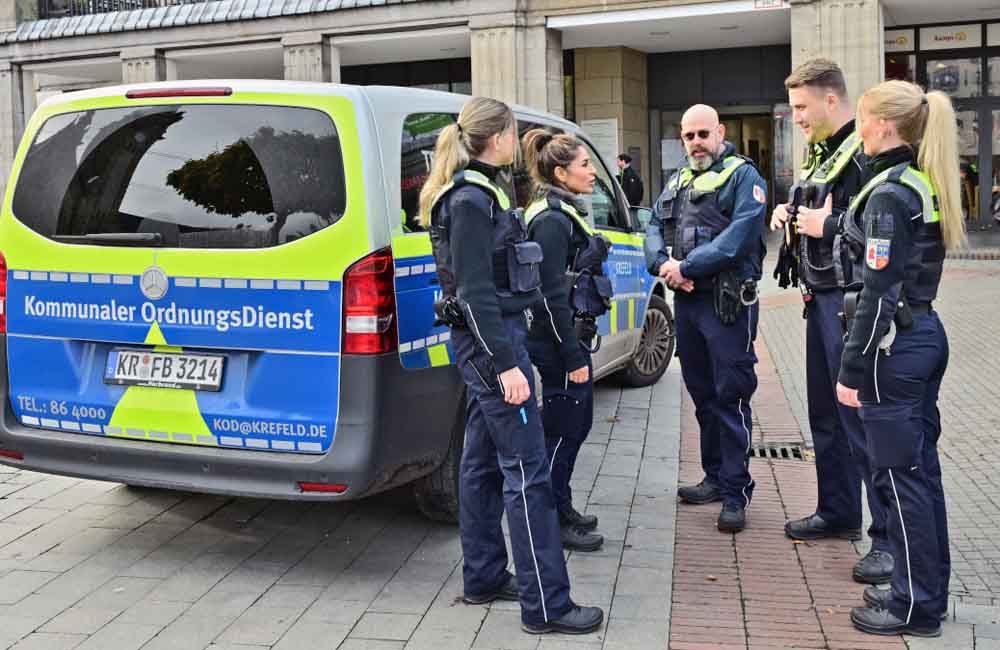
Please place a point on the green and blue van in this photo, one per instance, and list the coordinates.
(221, 286)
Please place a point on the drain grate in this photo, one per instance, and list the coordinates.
(778, 451)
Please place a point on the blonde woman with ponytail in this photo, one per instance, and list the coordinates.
(898, 229)
(489, 279)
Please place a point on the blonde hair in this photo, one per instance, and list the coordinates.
(481, 119)
(545, 150)
(926, 121)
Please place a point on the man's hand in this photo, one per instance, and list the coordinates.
(671, 272)
(515, 386)
(848, 396)
(780, 216)
(810, 221)
(580, 375)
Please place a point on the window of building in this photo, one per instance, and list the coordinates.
(569, 85)
(901, 66)
(449, 75)
(993, 64)
(199, 176)
(956, 77)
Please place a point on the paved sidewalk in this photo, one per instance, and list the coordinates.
(99, 566)
(758, 590)
(969, 304)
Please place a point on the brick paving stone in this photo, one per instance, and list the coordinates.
(758, 590)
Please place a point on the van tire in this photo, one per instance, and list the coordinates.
(656, 348)
(437, 493)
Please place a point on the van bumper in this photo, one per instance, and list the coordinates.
(394, 426)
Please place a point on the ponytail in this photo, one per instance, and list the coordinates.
(450, 155)
(938, 156)
(927, 122)
(481, 119)
(544, 151)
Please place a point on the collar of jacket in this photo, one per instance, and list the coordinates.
(892, 157)
(489, 171)
(834, 141)
(568, 197)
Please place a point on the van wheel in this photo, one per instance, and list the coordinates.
(437, 493)
(656, 348)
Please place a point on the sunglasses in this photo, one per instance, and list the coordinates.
(702, 134)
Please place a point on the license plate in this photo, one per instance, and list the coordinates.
(164, 369)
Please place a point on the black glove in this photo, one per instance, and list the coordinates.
(726, 288)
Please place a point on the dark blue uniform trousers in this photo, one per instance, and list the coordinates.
(567, 415)
(504, 467)
(717, 363)
(838, 435)
(903, 425)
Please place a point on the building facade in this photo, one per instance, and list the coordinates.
(624, 69)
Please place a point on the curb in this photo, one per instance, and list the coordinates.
(974, 254)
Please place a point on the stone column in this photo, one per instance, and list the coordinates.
(517, 63)
(850, 33)
(611, 83)
(142, 65)
(14, 12)
(11, 117)
(311, 57)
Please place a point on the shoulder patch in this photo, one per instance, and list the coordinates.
(759, 194)
(877, 253)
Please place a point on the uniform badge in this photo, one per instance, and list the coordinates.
(877, 253)
(758, 194)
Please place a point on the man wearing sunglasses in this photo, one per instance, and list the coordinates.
(834, 172)
(706, 238)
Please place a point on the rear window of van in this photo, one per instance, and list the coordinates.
(200, 176)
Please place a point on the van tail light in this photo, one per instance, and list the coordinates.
(154, 93)
(370, 305)
(3, 294)
(323, 488)
(9, 453)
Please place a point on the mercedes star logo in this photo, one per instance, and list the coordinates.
(154, 283)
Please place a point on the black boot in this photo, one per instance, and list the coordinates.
(877, 598)
(699, 494)
(568, 516)
(574, 539)
(874, 568)
(732, 519)
(882, 622)
(815, 527)
(578, 620)
(506, 591)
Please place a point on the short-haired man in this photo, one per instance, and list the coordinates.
(833, 173)
(711, 214)
(629, 180)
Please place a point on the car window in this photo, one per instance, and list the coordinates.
(416, 155)
(603, 202)
(201, 176)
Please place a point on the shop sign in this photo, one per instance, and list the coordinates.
(900, 40)
(951, 37)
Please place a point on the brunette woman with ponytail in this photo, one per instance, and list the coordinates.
(489, 280)
(561, 169)
(898, 229)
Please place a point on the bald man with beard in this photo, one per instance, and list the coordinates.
(706, 239)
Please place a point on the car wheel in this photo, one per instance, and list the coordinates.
(437, 493)
(656, 348)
